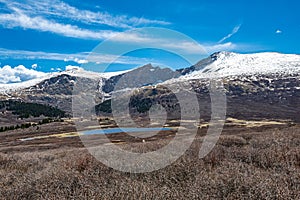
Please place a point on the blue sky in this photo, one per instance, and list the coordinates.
(47, 35)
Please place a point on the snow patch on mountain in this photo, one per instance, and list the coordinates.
(7, 88)
(18, 78)
(232, 64)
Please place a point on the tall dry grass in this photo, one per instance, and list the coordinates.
(258, 165)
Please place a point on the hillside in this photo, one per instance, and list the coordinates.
(263, 85)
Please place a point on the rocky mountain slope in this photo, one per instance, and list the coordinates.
(56, 89)
(257, 85)
(261, 85)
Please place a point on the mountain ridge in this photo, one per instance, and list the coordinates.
(269, 75)
(211, 65)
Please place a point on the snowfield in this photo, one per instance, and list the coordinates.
(232, 64)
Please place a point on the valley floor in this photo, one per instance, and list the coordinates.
(248, 162)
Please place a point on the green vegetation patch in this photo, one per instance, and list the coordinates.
(26, 110)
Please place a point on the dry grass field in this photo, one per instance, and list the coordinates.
(260, 162)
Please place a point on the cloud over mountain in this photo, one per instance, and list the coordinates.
(17, 74)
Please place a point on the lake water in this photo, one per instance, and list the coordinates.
(101, 131)
(120, 130)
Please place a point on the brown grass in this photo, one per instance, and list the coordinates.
(246, 165)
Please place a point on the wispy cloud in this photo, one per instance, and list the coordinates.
(204, 48)
(34, 55)
(228, 46)
(234, 31)
(57, 9)
(79, 58)
(19, 19)
(278, 31)
(60, 18)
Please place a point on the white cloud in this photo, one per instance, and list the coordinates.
(18, 74)
(80, 58)
(72, 68)
(34, 66)
(106, 59)
(278, 31)
(234, 31)
(77, 60)
(33, 55)
(47, 16)
(29, 17)
(186, 46)
(229, 46)
(44, 16)
(19, 19)
(60, 9)
(81, 61)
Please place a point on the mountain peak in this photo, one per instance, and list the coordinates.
(222, 53)
(221, 64)
(148, 65)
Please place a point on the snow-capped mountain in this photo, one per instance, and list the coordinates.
(261, 85)
(73, 71)
(223, 64)
(220, 64)
(268, 79)
(55, 89)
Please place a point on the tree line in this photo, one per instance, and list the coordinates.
(26, 110)
(28, 125)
